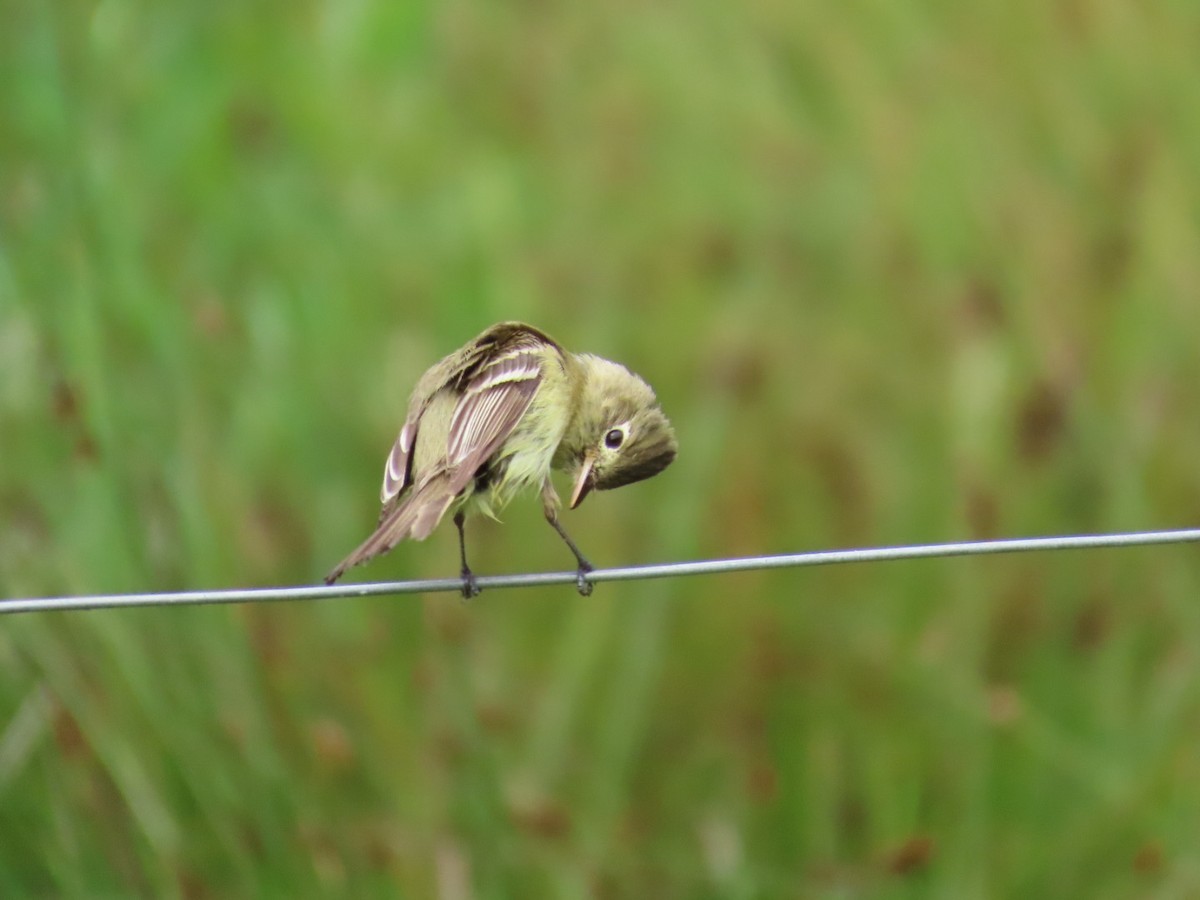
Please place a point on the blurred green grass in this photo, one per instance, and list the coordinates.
(898, 274)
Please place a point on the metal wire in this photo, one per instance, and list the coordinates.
(629, 573)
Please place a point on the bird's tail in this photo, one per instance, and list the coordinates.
(415, 516)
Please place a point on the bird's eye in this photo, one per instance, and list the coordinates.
(614, 439)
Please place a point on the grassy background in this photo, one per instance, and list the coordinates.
(899, 272)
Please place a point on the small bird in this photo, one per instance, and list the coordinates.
(495, 417)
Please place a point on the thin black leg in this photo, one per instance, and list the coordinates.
(469, 587)
(581, 583)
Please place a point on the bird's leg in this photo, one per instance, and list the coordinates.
(469, 587)
(550, 506)
(581, 583)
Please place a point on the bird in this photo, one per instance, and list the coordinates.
(493, 419)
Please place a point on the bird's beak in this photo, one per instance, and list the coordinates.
(583, 481)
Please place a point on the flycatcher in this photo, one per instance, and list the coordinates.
(495, 417)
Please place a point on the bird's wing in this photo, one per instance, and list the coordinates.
(495, 395)
(397, 472)
(496, 375)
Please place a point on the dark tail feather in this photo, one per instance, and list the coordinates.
(415, 517)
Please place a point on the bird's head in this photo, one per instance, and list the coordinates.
(621, 433)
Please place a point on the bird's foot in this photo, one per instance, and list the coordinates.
(581, 583)
(470, 588)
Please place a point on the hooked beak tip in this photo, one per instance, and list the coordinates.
(583, 482)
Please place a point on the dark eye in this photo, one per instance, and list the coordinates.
(614, 439)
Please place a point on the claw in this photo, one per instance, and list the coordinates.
(470, 588)
(581, 583)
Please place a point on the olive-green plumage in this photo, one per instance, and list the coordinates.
(495, 417)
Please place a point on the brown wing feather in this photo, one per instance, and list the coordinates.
(491, 406)
(397, 472)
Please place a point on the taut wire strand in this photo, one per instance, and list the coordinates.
(628, 573)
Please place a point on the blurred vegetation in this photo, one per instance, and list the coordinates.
(899, 272)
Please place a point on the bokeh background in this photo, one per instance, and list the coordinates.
(899, 273)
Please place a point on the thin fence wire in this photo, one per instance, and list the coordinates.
(629, 573)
